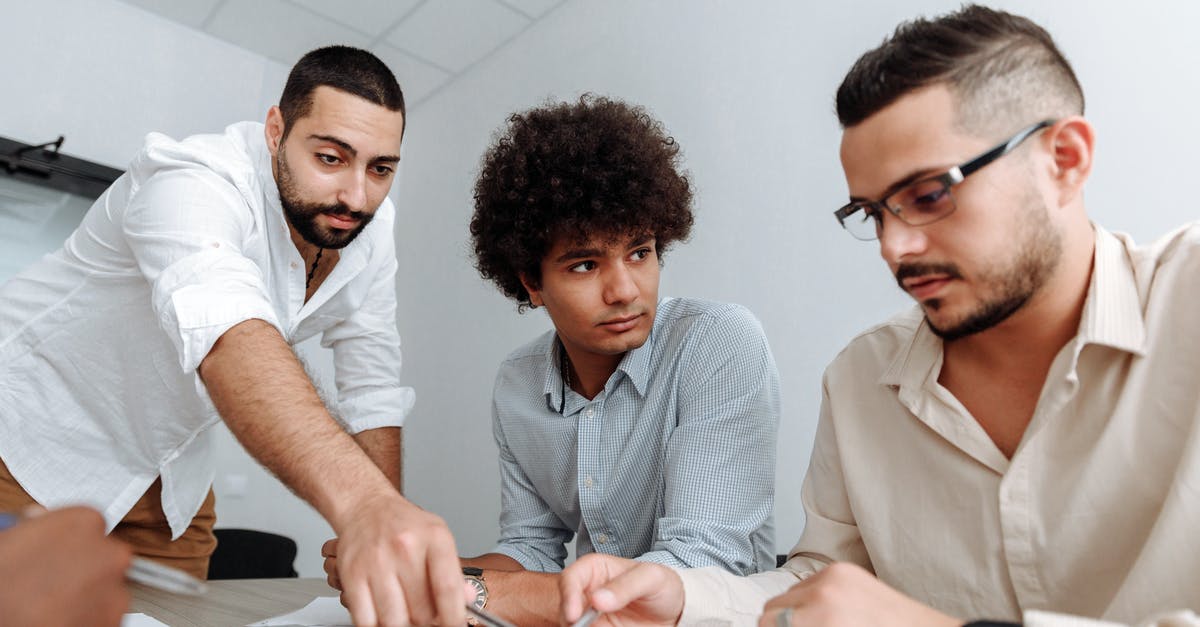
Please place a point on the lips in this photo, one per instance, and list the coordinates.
(341, 221)
(622, 323)
(924, 287)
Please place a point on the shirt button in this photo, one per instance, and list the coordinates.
(587, 481)
(602, 539)
(589, 412)
(295, 265)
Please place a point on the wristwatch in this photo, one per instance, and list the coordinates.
(474, 576)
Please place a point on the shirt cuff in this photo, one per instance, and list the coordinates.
(527, 561)
(374, 410)
(712, 596)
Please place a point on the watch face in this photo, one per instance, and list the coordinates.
(481, 594)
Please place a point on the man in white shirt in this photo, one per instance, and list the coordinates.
(175, 305)
(1024, 445)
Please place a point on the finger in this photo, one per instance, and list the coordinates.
(333, 581)
(446, 581)
(356, 596)
(778, 617)
(574, 582)
(391, 604)
(640, 582)
(329, 549)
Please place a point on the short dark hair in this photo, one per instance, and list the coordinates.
(351, 70)
(1004, 69)
(597, 167)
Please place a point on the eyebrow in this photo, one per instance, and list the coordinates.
(345, 145)
(583, 253)
(913, 177)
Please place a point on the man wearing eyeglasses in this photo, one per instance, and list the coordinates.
(1023, 446)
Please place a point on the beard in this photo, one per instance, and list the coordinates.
(1010, 286)
(302, 215)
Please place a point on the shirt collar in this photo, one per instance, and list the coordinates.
(635, 365)
(1112, 316)
(1112, 313)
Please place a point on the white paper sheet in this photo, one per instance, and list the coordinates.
(141, 620)
(322, 612)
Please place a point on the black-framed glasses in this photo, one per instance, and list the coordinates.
(927, 200)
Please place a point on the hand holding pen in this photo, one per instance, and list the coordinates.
(58, 568)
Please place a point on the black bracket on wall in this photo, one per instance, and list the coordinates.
(44, 164)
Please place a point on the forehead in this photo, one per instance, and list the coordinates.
(370, 128)
(917, 133)
(595, 243)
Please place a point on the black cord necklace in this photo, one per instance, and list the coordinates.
(316, 260)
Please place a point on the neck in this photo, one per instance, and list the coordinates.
(588, 372)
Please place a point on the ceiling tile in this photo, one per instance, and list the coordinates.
(369, 16)
(456, 33)
(417, 78)
(191, 13)
(533, 8)
(278, 29)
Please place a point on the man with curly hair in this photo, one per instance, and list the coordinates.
(644, 428)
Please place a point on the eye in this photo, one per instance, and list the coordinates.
(582, 267)
(328, 159)
(641, 253)
(930, 196)
(382, 170)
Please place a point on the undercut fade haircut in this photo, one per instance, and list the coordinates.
(595, 169)
(347, 69)
(1004, 69)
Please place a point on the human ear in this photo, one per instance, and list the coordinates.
(535, 293)
(274, 129)
(1072, 141)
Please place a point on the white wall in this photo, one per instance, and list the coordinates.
(747, 88)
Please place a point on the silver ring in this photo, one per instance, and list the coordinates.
(784, 618)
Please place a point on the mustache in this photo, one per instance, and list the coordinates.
(910, 270)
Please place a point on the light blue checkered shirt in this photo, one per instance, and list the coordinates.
(673, 462)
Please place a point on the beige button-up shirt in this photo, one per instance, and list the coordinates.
(1096, 515)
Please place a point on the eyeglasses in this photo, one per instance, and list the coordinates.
(925, 201)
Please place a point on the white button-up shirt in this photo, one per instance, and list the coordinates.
(100, 340)
(1097, 514)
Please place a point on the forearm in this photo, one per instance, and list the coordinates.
(263, 394)
(492, 561)
(524, 597)
(385, 447)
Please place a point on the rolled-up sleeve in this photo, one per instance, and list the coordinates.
(720, 466)
(186, 228)
(367, 358)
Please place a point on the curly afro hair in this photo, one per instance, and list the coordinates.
(593, 168)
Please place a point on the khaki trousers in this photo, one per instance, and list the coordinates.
(145, 527)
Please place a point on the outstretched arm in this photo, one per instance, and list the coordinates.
(398, 562)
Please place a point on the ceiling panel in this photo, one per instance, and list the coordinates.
(427, 43)
(191, 13)
(372, 17)
(417, 78)
(278, 29)
(454, 34)
(532, 8)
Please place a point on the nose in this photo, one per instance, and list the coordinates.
(353, 192)
(898, 239)
(619, 286)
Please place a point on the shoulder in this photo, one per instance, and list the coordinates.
(216, 169)
(531, 355)
(869, 354)
(705, 320)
